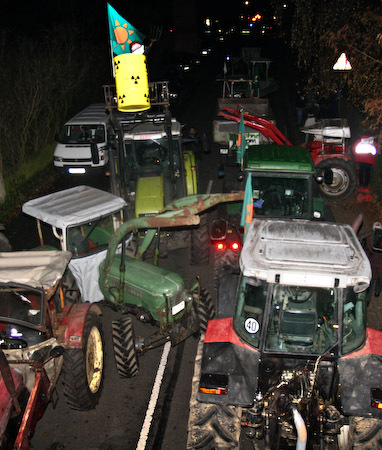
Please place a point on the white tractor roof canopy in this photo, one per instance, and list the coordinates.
(302, 252)
(73, 206)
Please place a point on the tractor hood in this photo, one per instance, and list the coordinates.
(149, 197)
(145, 285)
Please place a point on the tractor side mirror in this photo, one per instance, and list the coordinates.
(218, 229)
(377, 237)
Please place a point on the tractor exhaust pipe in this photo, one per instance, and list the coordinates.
(301, 430)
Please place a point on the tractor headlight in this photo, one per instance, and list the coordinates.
(366, 146)
(178, 302)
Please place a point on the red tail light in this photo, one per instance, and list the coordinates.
(235, 246)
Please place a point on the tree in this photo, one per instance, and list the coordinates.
(318, 32)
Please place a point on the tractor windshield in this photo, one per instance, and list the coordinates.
(151, 156)
(90, 237)
(20, 305)
(280, 196)
(301, 319)
(354, 320)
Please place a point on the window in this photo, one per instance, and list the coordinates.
(302, 320)
(280, 197)
(354, 320)
(250, 309)
(90, 237)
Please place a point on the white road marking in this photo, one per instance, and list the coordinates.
(154, 398)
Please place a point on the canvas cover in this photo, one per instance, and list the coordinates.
(73, 206)
(41, 269)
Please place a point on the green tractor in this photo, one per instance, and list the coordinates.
(154, 294)
(279, 181)
(107, 263)
(152, 165)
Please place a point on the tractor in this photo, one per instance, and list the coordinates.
(289, 361)
(46, 330)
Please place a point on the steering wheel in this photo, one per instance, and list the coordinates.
(300, 296)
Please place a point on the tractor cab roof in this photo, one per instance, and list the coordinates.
(73, 206)
(302, 252)
(278, 158)
(39, 269)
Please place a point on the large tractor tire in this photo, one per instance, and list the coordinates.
(200, 243)
(344, 178)
(223, 263)
(211, 426)
(125, 354)
(205, 310)
(83, 367)
(365, 433)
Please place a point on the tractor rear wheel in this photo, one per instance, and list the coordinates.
(211, 426)
(83, 367)
(200, 243)
(344, 178)
(125, 354)
(205, 310)
(365, 433)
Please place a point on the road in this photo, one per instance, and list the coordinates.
(117, 421)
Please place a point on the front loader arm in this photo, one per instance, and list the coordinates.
(180, 213)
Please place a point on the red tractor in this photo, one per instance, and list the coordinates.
(44, 330)
(326, 142)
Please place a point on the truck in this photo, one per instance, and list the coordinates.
(82, 144)
(289, 361)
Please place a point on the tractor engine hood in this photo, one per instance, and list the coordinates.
(149, 197)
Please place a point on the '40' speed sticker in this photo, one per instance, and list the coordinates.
(251, 325)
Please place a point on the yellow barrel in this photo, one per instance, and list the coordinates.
(131, 81)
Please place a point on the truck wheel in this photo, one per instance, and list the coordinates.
(83, 367)
(126, 358)
(344, 178)
(200, 243)
(365, 433)
(211, 426)
(205, 310)
(223, 263)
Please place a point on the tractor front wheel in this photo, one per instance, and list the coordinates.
(344, 178)
(205, 310)
(83, 367)
(125, 354)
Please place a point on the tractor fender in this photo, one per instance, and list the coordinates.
(360, 375)
(322, 156)
(74, 323)
(225, 355)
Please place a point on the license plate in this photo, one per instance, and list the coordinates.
(76, 170)
(177, 308)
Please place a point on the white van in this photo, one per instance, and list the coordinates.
(82, 142)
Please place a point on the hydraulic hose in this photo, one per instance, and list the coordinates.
(301, 430)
